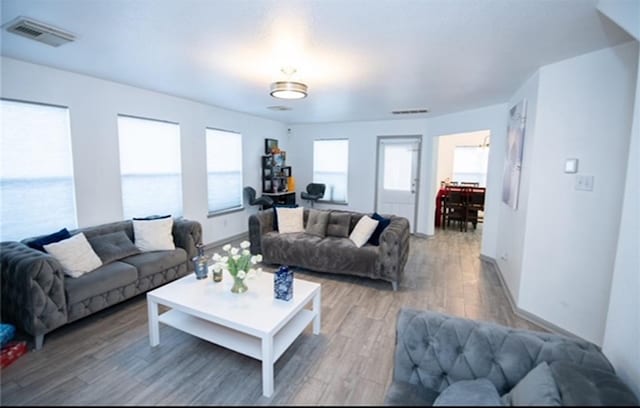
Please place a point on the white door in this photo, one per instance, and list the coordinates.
(398, 177)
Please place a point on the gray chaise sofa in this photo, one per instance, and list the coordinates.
(434, 350)
(333, 254)
(38, 297)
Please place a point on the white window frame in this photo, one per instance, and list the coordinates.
(48, 225)
(241, 204)
(328, 196)
(180, 201)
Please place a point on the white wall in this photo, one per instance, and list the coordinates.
(625, 13)
(446, 148)
(362, 157)
(622, 333)
(584, 110)
(94, 105)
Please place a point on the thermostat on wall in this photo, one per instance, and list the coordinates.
(571, 166)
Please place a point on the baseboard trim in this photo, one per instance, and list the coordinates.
(218, 243)
(523, 313)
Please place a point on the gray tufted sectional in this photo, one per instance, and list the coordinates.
(435, 350)
(38, 297)
(333, 254)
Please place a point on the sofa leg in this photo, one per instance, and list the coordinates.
(394, 284)
(39, 339)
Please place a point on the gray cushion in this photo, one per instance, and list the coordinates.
(479, 392)
(113, 246)
(538, 387)
(149, 263)
(579, 385)
(317, 223)
(107, 277)
(402, 393)
(338, 225)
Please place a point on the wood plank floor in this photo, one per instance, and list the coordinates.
(105, 359)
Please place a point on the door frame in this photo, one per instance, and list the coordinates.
(417, 138)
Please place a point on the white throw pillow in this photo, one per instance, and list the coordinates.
(153, 235)
(363, 230)
(290, 219)
(75, 255)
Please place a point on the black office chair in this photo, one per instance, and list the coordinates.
(261, 201)
(315, 191)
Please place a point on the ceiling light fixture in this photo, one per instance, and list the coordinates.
(288, 89)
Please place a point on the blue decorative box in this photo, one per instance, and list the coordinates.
(283, 283)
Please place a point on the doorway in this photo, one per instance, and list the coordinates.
(461, 160)
(397, 176)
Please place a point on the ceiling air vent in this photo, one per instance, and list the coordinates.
(409, 111)
(279, 108)
(38, 31)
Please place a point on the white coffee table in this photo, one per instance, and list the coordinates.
(253, 323)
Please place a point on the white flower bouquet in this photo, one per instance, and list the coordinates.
(238, 263)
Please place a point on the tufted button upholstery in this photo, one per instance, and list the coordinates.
(385, 261)
(34, 295)
(463, 349)
(32, 288)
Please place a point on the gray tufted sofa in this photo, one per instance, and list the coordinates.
(434, 350)
(333, 254)
(38, 297)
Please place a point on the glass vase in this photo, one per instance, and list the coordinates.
(200, 267)
(239, 286)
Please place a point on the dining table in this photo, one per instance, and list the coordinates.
(442, 196)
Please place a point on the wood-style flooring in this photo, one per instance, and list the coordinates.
(105, 359)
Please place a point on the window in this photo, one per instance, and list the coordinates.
(150, 167)
(398, 163)
(331, 167)
(470, 164)
(36, 170)
(224, 170)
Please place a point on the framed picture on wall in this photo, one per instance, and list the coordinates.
(269, 145)
(514, 154)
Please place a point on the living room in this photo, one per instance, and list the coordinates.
(568, 259)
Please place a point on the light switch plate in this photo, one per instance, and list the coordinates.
(571, 166)
(584, 183)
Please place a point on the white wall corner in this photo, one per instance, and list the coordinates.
(622, 333)
(625, 13)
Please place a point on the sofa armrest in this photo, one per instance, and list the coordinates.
(259, 224)
(33, 296)
(394, 250)
(186, 235)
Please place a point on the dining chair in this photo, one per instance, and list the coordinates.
(455, 208)
(475, 206)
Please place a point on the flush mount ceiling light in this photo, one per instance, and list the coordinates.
(288, 89)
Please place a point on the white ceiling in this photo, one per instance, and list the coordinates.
(360, 58)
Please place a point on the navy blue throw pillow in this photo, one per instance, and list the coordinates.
(275, 213)
(382, 224)
(152, 217)
(39, 243)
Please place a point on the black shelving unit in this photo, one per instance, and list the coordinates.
(275, 174)
(275, 178)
